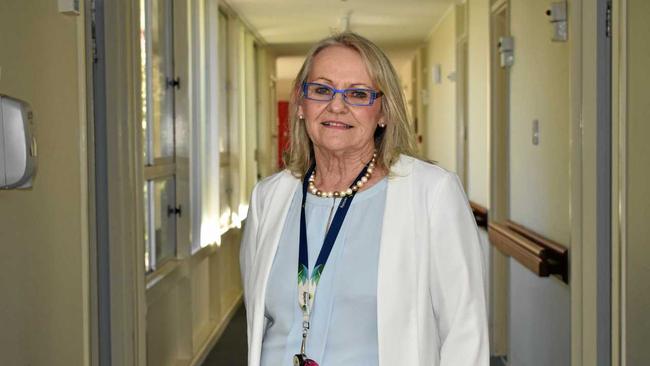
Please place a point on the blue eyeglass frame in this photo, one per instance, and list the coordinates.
(374, 94)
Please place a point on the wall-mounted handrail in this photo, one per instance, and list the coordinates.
(542, 256)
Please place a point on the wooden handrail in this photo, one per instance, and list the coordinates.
(480, 214)
(542, 256)
(536, 237)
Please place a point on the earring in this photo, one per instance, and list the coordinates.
(301, 117)
(382, 124)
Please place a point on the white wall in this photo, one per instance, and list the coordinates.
(43, 230)
(478, 95)
(539, 329)
(440, 127)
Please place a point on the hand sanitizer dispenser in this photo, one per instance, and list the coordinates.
(17, 145)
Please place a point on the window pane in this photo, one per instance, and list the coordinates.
(225, 184)
(224, 146)
(164, 216)
(160, 132)
(147, 232)
(143, 78)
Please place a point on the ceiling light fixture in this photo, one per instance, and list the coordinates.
(344, 22)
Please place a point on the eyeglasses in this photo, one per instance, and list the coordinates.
(352, 96)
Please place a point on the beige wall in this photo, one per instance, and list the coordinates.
(539, 175)
(636, 270)
(408, 87)
(478, 102)
(440, 128)
(283, 89)
(267, 117)
(43, 230)
(539, 183)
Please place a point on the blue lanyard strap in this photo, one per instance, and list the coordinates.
(330, 237)
(307, 284)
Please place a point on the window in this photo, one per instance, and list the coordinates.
(225, 181)
(158, 131)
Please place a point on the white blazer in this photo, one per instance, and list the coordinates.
(431, 307)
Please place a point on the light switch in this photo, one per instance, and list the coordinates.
(436, 73)
(535, 132)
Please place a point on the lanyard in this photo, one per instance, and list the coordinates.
(307, 283)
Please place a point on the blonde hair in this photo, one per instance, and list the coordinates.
(391, 141)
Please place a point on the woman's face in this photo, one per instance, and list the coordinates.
(336, 126)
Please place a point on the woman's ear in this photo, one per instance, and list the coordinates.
(301, 114)
(381, 121)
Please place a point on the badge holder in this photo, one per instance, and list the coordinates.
(302, 360)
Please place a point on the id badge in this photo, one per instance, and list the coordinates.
(302, 360)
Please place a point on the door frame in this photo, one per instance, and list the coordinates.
(499, 185)
(591, 186)
(462, 153)
(619, 180)
(118, 328)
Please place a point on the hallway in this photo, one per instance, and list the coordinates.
(139, 128)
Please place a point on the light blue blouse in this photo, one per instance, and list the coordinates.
(344, 318)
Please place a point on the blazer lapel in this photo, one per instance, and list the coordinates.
(277, 202)
(396, 284)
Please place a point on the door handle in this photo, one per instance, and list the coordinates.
(174, 83)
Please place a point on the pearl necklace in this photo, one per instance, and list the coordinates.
(348, 192)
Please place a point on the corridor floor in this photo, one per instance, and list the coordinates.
(230, 350)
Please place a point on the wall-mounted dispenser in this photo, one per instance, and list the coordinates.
(557, 15)
(17, 145)
(506, 51)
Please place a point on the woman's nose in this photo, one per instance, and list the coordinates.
(337, 104)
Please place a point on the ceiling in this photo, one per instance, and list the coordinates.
(290, 27)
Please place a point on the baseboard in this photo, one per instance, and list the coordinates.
(498, 361)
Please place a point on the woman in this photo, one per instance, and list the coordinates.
(358, 253)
